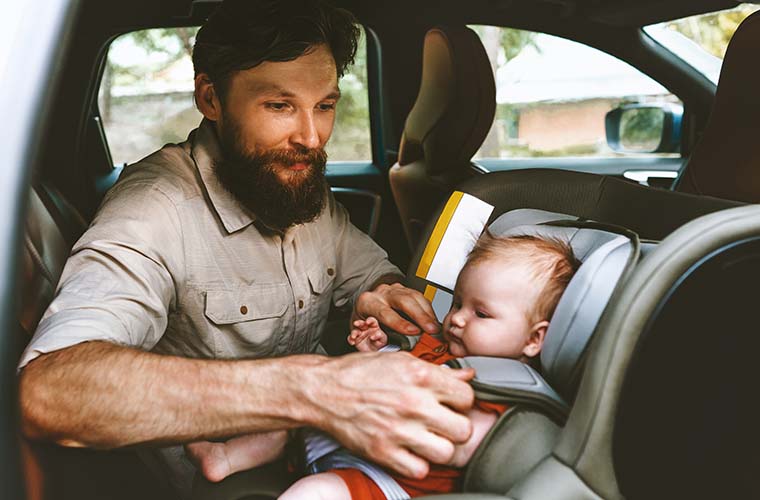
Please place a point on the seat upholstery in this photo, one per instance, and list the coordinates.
(726, 161)
(449, 120)
(52, 226)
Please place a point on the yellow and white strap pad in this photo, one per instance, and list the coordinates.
(459, 226)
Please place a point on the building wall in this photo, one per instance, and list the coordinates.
(552, 126)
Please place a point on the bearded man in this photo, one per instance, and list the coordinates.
(193, 306)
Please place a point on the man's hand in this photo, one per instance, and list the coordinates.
(367, 336)
(386, 300)
(397, 410)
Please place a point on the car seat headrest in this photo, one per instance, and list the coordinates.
(729, 139)
(456, 103)
(604, 256)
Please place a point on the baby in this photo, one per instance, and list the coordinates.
(503, 299)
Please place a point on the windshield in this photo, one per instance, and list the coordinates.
(701, 40)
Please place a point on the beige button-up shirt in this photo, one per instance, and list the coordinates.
(172, 264)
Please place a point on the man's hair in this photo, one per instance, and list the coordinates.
(242, 34)
(550, 263)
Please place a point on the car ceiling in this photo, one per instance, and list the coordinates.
(145, 13)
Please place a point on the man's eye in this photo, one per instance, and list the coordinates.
(277, 106)
(327, 106)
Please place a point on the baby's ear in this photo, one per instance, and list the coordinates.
(536, 338)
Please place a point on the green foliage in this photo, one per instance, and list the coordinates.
(351, 136)
(641, 128)
(713, 31)
(514, 41)
(510, 42)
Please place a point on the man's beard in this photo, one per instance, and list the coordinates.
(252, 179)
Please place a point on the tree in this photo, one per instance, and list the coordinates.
(501, 45)
(713, 31)
(172, 43)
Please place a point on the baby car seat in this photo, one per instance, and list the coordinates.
(539, 402)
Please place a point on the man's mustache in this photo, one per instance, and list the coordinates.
(316, 157)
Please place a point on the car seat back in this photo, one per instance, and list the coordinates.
(51, 228)
(725, 161)
(449, 120)
(665, 409)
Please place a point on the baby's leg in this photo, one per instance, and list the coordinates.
(218, 460)
(324, 486)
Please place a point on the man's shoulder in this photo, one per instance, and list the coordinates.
(170, 171)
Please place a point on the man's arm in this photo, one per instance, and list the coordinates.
(101, 395)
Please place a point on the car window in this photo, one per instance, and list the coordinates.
(146, 97)
(553, 95)
(701, 40)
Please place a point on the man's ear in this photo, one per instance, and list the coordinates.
(206, 98)
(536, 339)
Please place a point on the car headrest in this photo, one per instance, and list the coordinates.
(604, 256)
(730, 137)
(456, 103)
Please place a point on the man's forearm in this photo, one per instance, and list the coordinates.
(102, 395)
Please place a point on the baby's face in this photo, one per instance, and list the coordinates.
(489, 313)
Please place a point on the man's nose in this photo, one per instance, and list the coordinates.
(306, 134)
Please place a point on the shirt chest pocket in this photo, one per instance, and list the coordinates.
(248, 319)
(321, 281)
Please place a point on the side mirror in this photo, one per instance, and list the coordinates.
(644, 128)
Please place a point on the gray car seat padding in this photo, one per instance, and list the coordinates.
(585, 444)
(519, 440)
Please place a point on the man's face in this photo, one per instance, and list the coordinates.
(276, 119)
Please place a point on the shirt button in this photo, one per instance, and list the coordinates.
(330, 271)
(243, 310)
(300, 304)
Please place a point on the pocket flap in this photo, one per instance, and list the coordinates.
(259, 301)
(320, 277)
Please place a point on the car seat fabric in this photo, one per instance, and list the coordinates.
(724, 162)
(450, 119)
(51, 227)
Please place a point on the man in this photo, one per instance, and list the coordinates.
(211, 255)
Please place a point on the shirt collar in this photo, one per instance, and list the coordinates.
(206, 152)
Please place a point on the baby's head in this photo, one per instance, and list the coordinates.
(505, 295)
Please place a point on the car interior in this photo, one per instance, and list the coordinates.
(644, 389)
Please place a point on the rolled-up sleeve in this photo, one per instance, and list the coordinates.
(361, 261)
(118, 285)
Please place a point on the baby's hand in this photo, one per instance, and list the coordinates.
(367, 335)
